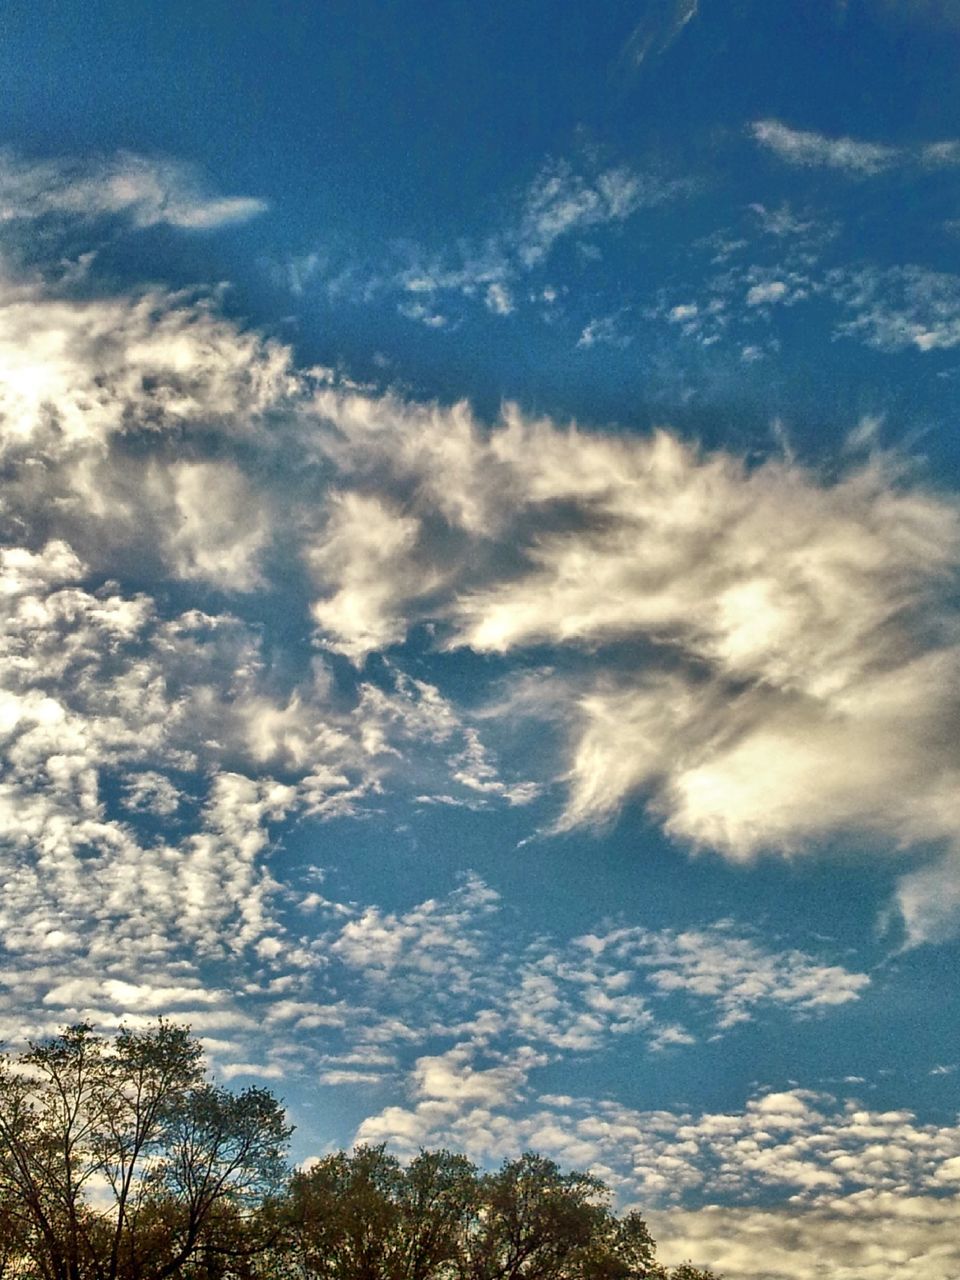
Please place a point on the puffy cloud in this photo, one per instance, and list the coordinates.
(216, 524)
(865, 1236)
(366, 552)
(103, 698)
(77, 371)
(436, 938)
(734, 972)
(837, 1161)
(761, 294)
(469, 1009)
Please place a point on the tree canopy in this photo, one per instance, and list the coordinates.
(121, 1160)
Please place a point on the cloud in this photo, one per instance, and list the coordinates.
(366, 553)
(838, 1162)
(437, 939)
(864, 1236)
(760, 651)
(218, 525)
(76, 372)
(604, 329)
(858, 158)
(900, 308)
(562, 202)
(761, 294)
(498, 300)
(663, 23)
(796, 637)
(733, 972)
(469, 1008)
(150, 191)
(928, 900)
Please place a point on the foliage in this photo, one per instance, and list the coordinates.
(366, 1217)
(120, 1160)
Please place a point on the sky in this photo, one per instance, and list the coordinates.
(480, 541)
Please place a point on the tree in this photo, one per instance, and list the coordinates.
(536, 1223)
(117, 1158)
(121, 1160)
(684, 1271)
(364, 1217)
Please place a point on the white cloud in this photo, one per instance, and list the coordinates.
(900, 308)
(798, 643)
(804, 147)
(437, 939)
(862, 159)
(561, 201)
(734, 972)
(836, 1161)
(606, 330)
(498, 300)
(664, 21)
(761, 294)
(366, 553)
(218, 525)
(865, 1236)
(683, 312)
(794, 637)
(148, 190)
(74, 373)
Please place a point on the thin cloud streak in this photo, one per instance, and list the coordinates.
(850, 155)
(149, 191)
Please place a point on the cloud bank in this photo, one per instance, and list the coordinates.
(231, 592)
(765, 653)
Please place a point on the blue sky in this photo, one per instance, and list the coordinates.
(480, 536)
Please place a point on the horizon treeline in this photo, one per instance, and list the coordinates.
(121, 1160)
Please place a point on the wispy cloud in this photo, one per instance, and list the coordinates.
(661, 25)
(851, 155)
(899, 308)
(561, 202)
(149, 191)
(794, 590)
(504, 270)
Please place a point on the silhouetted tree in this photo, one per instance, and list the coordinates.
(116, 1157)
(366, 1217)
(120, 1160)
